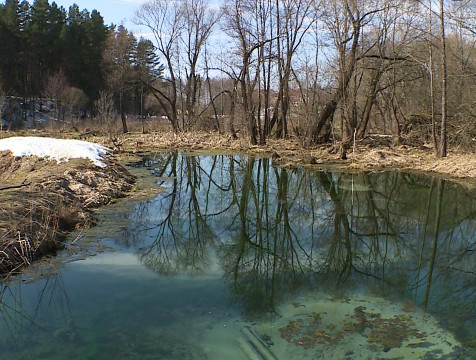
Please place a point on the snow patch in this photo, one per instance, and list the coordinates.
(54, 149)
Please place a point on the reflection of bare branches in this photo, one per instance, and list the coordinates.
(180, 239)
(340, 250)
(275, 230)
(425, 226)
(52, 299)
(266, 254)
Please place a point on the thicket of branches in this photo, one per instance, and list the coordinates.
(325, 71)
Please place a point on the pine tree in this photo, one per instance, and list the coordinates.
(119, 58)
(148, 70)
(38, 44)
(72, 43)
(147, 62)
(94, 42)
(13, 18)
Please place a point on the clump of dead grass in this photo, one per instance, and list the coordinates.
(31, 226)
(34, 219)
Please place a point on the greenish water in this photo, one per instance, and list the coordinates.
(237, 259)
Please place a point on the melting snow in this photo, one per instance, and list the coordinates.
(54, 149)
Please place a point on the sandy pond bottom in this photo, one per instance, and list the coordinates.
(329, 328)
(360, 328)
(117, 309)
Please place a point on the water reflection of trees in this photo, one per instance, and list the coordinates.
(275, 230)
(172, 231)
(24, 319)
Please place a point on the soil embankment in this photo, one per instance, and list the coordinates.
(40, 201)
(373, 154)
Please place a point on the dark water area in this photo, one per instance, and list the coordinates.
(238, 259)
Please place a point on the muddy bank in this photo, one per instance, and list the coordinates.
(373, 154)
(41, 201)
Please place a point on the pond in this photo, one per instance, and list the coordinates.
(238, 259)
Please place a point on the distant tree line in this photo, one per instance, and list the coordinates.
(71, 56)
(39, 40)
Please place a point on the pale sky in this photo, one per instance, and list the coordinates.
(113, 11)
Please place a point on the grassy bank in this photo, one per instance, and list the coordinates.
(41, 201)
(289, 153)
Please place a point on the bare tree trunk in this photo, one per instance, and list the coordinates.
(234, 97)
(123, 115)
(326, 115)
(372, 95)
(142, 109)
(444, 100)
(423, 239)
(346, 74)
(212, 98)
(3, 100)
(432, 86)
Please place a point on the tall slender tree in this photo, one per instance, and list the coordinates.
(119, 58)
(148, 70)
(444, 80)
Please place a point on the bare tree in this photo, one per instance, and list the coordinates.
(118, 60)
(294, 18)
(344, 22)
(165, 19)
(444, 87)
(246, 23)
(181, 30)
(3, 101)
(199, 21)
(104, 105)
(54, 89)
(74, 100)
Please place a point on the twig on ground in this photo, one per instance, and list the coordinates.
(23, 184)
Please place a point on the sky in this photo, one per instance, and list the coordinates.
(113, 11)
(118, 12)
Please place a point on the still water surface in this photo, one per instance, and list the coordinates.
(237, 259)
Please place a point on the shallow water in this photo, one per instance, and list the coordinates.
(237, 259)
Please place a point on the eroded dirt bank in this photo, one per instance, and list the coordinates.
(40, 201)
(374, 154)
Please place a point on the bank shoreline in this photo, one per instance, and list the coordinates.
(42, 201)
(459, 165)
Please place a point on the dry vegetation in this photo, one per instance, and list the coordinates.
(40, 201)
(374, 155)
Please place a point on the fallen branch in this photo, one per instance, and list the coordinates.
(23, 184)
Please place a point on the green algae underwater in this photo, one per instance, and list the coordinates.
(238, 259)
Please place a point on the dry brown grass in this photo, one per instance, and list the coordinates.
(290, 152)
(460, 164)
(32, 226)
(59, 197)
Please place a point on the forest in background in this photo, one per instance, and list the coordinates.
(324, 71)
(72, 58)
